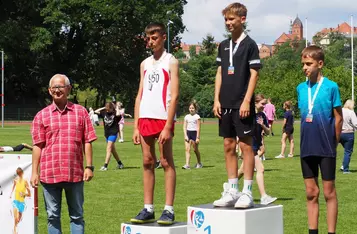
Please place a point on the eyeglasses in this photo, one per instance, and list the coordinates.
(53, 88)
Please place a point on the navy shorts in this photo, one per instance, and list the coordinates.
(192, 135)
(288, 130)
(310, 167)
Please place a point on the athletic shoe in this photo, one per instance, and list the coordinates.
(187, 167)
(262, 157)
(120, 166)
(199, 165)
(144, 217)
(347, 172)
(158, 164)
(272, 134)
(280, 156)
(167, 218)
(266, 200)
(245, 201)
(229, 197)
(341, 168)
(103, 168)
(120, 140)
(290, 155)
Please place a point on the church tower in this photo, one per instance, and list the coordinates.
(297, 29)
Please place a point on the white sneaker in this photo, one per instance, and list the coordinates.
(186, 167)
(103, 168)
(245, 201)
(263, 157)
(120, 166)
(229, 197)
(199, 165)
(121, 141)
(280, 156)
(266, 200)
(341, 168)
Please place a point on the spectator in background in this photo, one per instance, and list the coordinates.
(347, 136)
(61, 134)
(288, 131)
(15, 148)
(111, 117)
(121, 122)
(269, 111)
(93, 117)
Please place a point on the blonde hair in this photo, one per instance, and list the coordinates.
(349, 104)
(314, 52)
(288, 105)
(236, 9)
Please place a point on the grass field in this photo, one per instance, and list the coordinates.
(115, 196)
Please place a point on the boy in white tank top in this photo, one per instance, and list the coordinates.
(155, 108)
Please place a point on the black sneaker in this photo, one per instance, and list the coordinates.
(167, 218)
(158, 164)
(144, 217)
(120, 166)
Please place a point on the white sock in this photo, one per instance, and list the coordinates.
(248, 186)
(233, 183)
(149, 207)
(169, 208)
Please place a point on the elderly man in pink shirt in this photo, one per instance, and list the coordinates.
(62, 135)
(269, 111)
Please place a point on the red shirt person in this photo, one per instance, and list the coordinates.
(62, 132)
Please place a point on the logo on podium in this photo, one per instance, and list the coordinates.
(198, 220)
(126, 230)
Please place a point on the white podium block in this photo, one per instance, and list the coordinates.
(153, 228)
(206, 219)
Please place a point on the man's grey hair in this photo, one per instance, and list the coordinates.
(66, 79)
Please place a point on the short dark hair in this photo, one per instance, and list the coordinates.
(313, 52)
(155, 27)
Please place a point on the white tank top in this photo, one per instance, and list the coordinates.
(156, 96)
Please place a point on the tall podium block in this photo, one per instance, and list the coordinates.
(153, 228)
(206, 219)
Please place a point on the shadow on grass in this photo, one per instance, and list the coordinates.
(130, 168)
(272, 169)
(285, 199)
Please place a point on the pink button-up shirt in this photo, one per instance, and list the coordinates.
(63, 134)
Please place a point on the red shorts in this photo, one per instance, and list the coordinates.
(152, 127)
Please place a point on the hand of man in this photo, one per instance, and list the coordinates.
(244, 110)
(165, 135)
(88, 174)
(34, 180)
(217, 109)
(136, 137)
(197, 141)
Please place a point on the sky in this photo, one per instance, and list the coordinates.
(267, 19)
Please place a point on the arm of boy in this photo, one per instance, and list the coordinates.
(337, 112)
(244, 110)
(136, 134)
(166, 133)
(217, 89)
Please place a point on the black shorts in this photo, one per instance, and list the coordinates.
(310, 167)
(231, 125)
(19, 147)
(288, 130)
(192, 135)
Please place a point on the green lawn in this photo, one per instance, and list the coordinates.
(115, 196)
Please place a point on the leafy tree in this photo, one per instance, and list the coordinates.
(208, 45)
(192, 51)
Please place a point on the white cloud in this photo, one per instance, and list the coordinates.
(266, 19)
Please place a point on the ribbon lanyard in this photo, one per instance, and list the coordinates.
(231, 53)
(311, 102)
